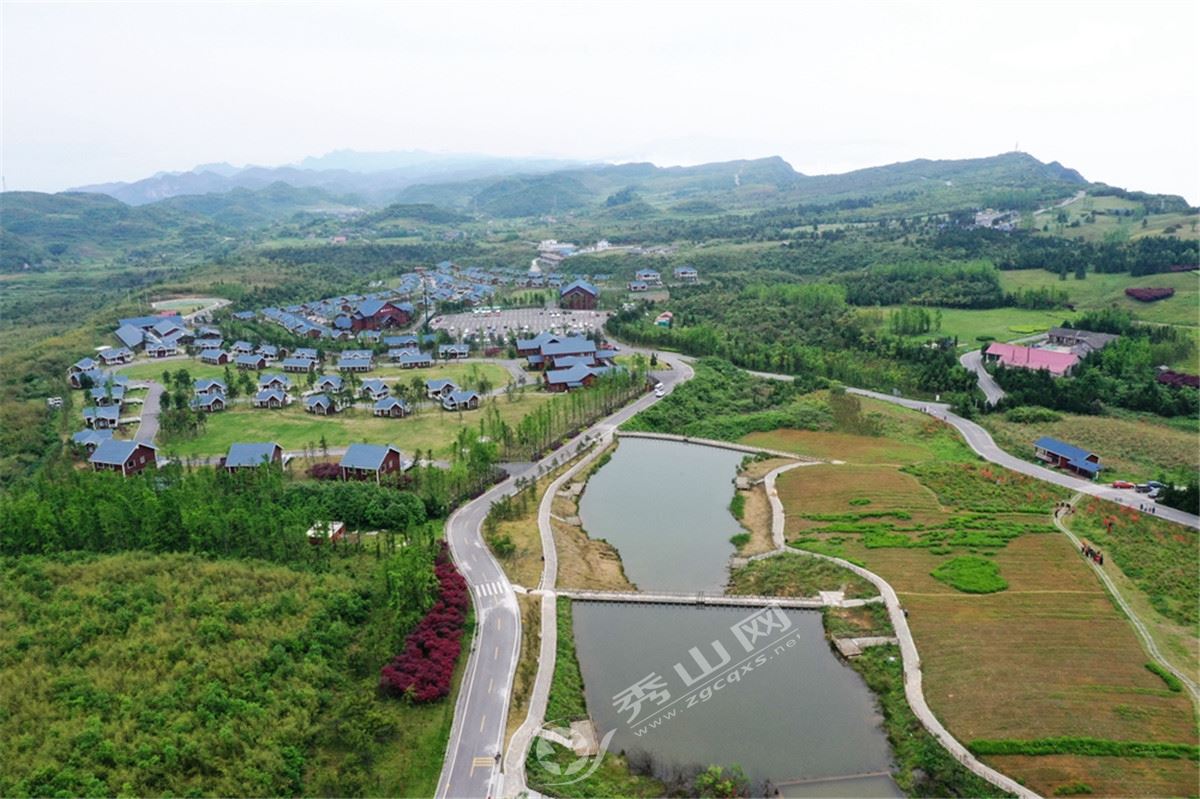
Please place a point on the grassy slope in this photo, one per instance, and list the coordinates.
(169, 674)
(1104, 290)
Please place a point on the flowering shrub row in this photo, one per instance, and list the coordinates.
(423, 671)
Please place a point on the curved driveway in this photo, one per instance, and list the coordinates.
(973, 360)
(472, 764)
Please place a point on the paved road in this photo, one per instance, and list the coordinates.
(472, 767)
(148, 428)
(981, 442)
(973, 360)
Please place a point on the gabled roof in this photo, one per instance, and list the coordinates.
(575, 345)
(439, 384)
(205, 400)
(112, 452)
(205, 384)
(251, 454)
(130, 336)
(579, 284)
(305, 352)
(333, 381)
(315, 400)
(266, 378)
(399, 341)
(298, 363)
(112, 353)
(367, 456)
(387, 403)
(243, 345)
(270, 394)
(212, 354)
(114, 390)
(249, 358)
(410, 356)
(1076, 457)
(374, 384)
(147, 322)
(91, 438)
(84, 365)
(109, 413)
(460, 396)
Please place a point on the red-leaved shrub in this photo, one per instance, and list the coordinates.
(324, 471)
(1150, 294)
(422, 672)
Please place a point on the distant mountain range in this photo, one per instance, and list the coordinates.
(372, 178)
(216, 204)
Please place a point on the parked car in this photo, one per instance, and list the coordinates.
(1122, 484)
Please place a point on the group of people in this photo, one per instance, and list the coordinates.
(1152, 510)
(1095, 554)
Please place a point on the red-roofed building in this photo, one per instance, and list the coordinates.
(1014, 356)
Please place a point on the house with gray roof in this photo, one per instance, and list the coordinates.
(391, 407)
(90, 439)
(320, 404)
(130, 336)
(271, 398)
(434, 389)
(216, 357)
(330, 383)
(374, 389)
(105, 417)
(115, 355)
(209, 403)
(460, 400)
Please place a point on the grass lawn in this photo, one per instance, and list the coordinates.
(797, 576)
(461, 373)
(1123, 227)
(295, 429)
(1002, 324)
(1105, 290)
(1135, 448)
(1048, 656)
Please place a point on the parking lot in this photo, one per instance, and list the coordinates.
(523, 322)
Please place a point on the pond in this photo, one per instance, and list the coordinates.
(780, 704)
(665, 506)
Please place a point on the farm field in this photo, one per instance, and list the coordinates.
(1048, 655)
(1135, 449)
(1105, 290)
(293, 428)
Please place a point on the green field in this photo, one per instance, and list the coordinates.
(1109, 227)
(1108, 290)
(461, 373)
(1002, 324)
(295, 429)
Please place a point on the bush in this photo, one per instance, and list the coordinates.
(423, 671)
(1031, 415)
(1170, 679)
(324, 471)
(737, 505)
(1073, 789)
(971, 574)
(740, 540)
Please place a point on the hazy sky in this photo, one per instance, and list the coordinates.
(106, 91)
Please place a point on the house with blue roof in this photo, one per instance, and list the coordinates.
(320, 404)
(367, 461)
(329, 383)
(412, 359)
(460, 400)
(453, 352)
(392, 408)
(251, 456)
(242, 347)
(207, 386)
(271, 380)
(579, 295)
(434, 389)
(126, 457)
(686, 274)
(270, 398)
(130, 336)
(209, 403)
(250, 361)
(90, 439)
(295, 364)
(354, 363)
(107, 394)
(1067, 456)
(102, 417)
(115, 355)
(306, 352)
(215, 356)
(373, 389)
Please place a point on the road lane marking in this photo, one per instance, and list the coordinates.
(481, 721)
(496, 654)
(476, 762)
(497, 622)
(490, 682)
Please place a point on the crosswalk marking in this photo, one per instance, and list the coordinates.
(491, 589)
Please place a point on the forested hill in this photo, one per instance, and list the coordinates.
(1012, 180)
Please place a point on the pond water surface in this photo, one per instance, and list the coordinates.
(795, 714)
(665, 507)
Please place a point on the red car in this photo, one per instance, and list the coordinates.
(1122, 484)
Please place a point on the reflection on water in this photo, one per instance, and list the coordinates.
(796, 713)
(665, 507)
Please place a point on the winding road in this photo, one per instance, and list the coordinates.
(973, 361)
(472, 764)
(472, 767)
